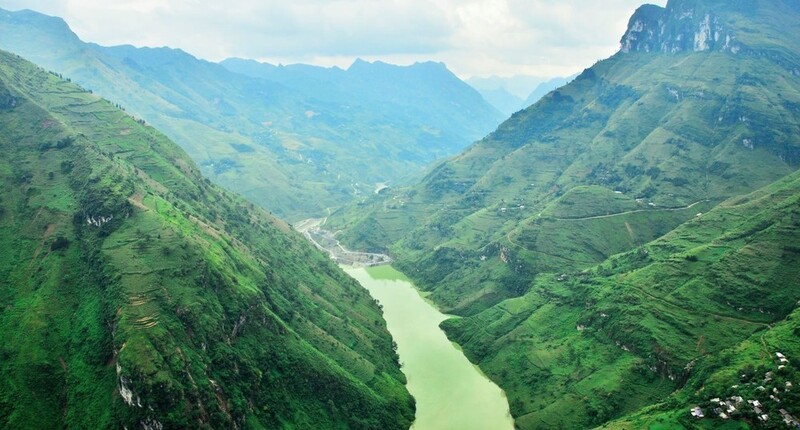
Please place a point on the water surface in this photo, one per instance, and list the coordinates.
(451, 392)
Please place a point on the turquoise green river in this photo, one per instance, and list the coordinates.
(451, 392)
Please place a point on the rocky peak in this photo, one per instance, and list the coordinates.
(682, 26)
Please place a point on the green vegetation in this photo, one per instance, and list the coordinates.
(611, 339)
(602, 247)
(297, 139)
(136, 293)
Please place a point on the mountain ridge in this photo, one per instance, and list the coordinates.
(287, 148)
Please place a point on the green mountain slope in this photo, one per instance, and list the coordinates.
(301, 141)
(135, 293)
(686, 312)
(631, 148)
(520, 234)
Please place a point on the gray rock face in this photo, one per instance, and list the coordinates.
(682, 26)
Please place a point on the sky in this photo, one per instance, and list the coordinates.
(474, 38)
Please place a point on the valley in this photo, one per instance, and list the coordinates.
(374, 247)
(602, 248)
(296, 139)
(451, 392)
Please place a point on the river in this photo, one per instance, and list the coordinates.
(451, 392)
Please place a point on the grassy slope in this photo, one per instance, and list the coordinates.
(202, 309)
(296, 147)
(518, 233)
(702, 289)
(667, 131)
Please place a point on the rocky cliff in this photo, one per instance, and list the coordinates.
(681, 26)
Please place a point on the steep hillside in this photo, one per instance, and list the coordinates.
(137, 294)
(630, 149)
(702, 309)
(299, 142)
(521, 233)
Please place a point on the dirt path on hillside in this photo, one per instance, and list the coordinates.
(136, 200)
(632, 212)
(695, 312)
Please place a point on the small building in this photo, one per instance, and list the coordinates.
(788, 419)
(697, 412)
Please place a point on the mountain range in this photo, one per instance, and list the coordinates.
(602, 245)
(494, 90)
(296, 139)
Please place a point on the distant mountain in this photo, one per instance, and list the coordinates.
(136, 294)
(295, 144)
(544, 88)
(495, 91)
(518, 85)
(521, 233)
(502, 100)
(423, 93)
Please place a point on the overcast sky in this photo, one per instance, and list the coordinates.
(475, 38)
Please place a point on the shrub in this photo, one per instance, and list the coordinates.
(61, 242)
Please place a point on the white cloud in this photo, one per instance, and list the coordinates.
(473, 37)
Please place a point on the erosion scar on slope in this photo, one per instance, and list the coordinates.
(51, 228)
(630, 232)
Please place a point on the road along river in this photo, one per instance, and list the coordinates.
(451, 392)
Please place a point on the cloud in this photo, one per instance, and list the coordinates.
(473, 37)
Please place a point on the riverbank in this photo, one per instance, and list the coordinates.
(451, 393)
(326, 241)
